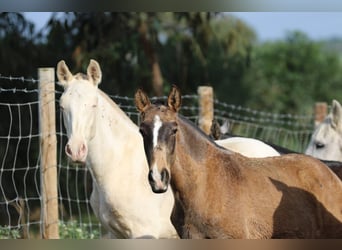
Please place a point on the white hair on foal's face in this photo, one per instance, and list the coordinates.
(157, 124)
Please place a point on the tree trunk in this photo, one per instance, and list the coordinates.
(157, 78)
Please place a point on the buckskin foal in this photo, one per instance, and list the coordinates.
(221, 194)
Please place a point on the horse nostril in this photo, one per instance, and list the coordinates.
(82, 149)
(68, 149)
(165, 176)
(150, 177)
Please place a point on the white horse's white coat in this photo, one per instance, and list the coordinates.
(326, 140)
(105, 138)
(248, 147)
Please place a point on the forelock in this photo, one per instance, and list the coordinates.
(81, 76)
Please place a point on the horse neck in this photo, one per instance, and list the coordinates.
(198, 164)
(189, 169)
(117, 147)
(194, 141)
(113, 123)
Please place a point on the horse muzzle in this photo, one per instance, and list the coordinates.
(77, 153)
(159, 182)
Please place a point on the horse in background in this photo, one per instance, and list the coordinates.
(222, 194)
(256, 148)
(249, 147)
(326, 140)
(103, 137)
(220, 132)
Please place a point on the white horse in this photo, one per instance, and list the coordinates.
(248, 147)
(326, 140)
(101, 135)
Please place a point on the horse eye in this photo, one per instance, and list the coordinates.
(319, 145)
(174, 128)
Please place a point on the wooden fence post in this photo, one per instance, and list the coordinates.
(206, 108)
(48, 160)
(321, 111)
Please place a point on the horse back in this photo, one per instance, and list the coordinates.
(291, 186)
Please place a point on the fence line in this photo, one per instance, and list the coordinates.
(48, 143)
(20, 151)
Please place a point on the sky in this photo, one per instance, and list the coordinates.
(275, 25)
(267, 25)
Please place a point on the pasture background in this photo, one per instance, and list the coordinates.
(20, 151)
(266, 90)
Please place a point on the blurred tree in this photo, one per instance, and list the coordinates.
(207, 48)
(230, 58)
(290, 76)
(16, 44)
(107, 37)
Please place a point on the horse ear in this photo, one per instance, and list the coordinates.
(174, 100)
(336, 112)
(63, 73)
(225, 127)
(141, 100)
(94, 72)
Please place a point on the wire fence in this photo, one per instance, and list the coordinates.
(288, 130)
(20, 169)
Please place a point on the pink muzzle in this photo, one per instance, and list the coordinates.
(77, 152)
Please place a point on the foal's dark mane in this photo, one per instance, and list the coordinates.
(185, 120)
(198, 130)
(191, 124)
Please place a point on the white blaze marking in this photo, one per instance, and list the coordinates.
(156, 127)
(155, 173)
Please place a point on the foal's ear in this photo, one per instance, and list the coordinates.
(63, 73)
(174, 100)
(336, 112)
(94, 72)
(141, 100)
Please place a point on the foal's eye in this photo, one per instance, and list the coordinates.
(174, 130)
(319, 145)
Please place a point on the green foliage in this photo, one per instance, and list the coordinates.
(192, 48)
(8, 233)
(290, 76)
(213, 50)
(74, 230)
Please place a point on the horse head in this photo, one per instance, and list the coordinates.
(326, 140)
(79, 105)
(158, 128)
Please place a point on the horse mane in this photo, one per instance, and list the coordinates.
(197, 129)
(81, 76)
(184, 120)
(115, 106)
(158, 102)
